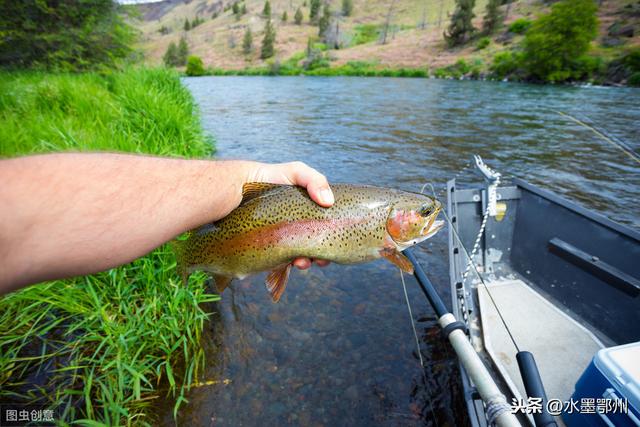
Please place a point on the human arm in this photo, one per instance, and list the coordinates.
(71, 214)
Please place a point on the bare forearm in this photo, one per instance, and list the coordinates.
(73, 214)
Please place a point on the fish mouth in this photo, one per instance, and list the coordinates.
(432, 228)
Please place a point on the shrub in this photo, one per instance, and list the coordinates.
(194, 66)
(366, 33)
(520, 26)
(504, 64)
(483, 43)
(634, 80)
(297, 18)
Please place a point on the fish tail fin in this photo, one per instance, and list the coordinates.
(178, 247)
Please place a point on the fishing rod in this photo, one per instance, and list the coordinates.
(498, 410)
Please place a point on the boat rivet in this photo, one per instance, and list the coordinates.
(476, 198)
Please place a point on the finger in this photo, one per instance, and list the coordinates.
(316, 184)
(321, 262)
(302, 263)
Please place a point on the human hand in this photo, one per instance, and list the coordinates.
(296, 173)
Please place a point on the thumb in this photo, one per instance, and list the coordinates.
(316, 183)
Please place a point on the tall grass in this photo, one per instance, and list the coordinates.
(100, 347)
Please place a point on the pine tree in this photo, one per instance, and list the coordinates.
(325, 20)
(314, 9)
(244, 9)
(461, 27)
(187, 25)
(235, 8)
(298, 17)
(183, 51)
(492, 16)
(347, 7)
(247, 42)
(268, 41)
(285, 16)
(170, 57)
(266, 11)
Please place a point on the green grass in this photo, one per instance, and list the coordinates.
(102, 347)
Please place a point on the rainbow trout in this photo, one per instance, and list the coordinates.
(275, 224)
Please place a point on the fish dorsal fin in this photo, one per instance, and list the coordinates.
(277, 281)
(251, 190)
(221, 282)
(396, 258)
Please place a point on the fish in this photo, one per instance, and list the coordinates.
(274, 224)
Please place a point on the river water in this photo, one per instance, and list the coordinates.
(339, 348)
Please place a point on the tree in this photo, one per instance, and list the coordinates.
(194, 66)
(247, 42)
(187, 24)
(285, 16)
(492, 17)
(268, 41)
(461, 28)
(64, 35)
(325, 20)
(266, 11)
(244, 9)
(314, 9)
(347, 7)
(298, 17)
(556, 43)
(182, 51)
(170, 57)
(235, 8)
(387, 22)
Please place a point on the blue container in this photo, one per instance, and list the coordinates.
(611, 379)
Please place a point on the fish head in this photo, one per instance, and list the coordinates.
(412, 219)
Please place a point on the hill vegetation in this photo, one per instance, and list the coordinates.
(392, 37)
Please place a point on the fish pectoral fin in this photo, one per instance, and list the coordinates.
(222, 282)
(277, 281)
(251, 190)
(397, 259)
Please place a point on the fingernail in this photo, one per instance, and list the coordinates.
(326, 196)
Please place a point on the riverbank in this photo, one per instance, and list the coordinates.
(461, 70)
(102, 347)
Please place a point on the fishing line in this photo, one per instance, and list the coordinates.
(413, 325)
(415, 334)
(628, 152)
(455, 232)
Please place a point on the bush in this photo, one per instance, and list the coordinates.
(556, 40)
(634, 80)
(194, 66)
(504, 64)
(483, 43)
(366, 33)
(520, 26)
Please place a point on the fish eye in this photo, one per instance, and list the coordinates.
(425, 211)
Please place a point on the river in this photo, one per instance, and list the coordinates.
(339, 348)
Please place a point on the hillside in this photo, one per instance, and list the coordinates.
(218, 39)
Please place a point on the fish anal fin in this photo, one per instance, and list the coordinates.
(396, 258)
(277, 281)
(221, 282)
(251, 190)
